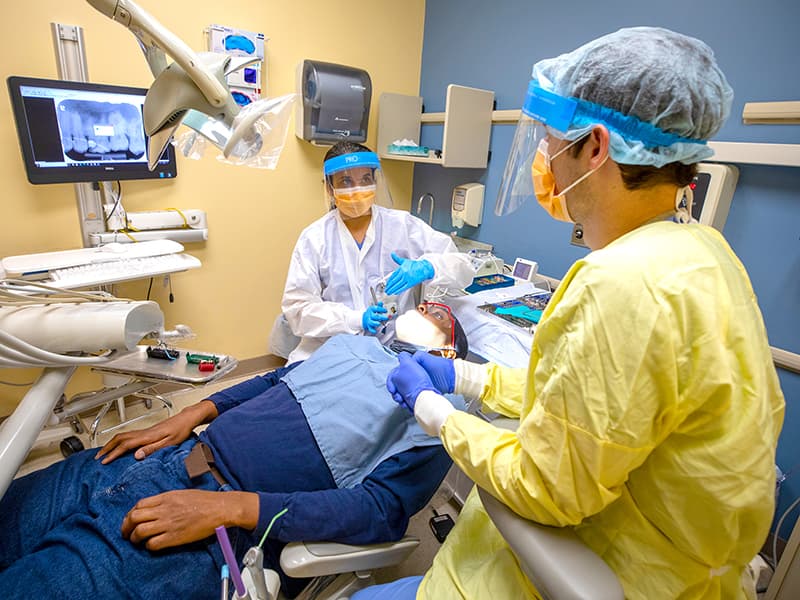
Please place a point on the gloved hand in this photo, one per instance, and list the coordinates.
(408, 274)
(407, 380)
(440, 370)
(373, 317)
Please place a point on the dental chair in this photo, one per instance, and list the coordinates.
(340, 570)
(555, 559)
(557, 562)
(336, 570)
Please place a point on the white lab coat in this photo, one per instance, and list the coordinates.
(328, 285)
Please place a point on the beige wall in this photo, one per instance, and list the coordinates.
(254, 215)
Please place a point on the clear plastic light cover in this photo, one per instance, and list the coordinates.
(255, 138)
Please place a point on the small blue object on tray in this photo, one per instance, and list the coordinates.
(489, 282)
(525, 311)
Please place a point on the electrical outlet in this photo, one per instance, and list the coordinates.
(577, 236)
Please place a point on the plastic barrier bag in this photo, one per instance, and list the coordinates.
(255, 138)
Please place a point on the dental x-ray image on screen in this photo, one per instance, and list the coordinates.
(93, 130)
(82, 132)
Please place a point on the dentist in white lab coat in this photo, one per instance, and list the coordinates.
(360, 243)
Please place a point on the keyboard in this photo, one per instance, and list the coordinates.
(99, 273)
(27, 265)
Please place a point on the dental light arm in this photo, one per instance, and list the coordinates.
(195, 81)
(193, 91)
(151, 33)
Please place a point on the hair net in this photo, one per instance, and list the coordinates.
(660, 94)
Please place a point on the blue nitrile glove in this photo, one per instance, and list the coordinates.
(407, 380)
(373, 317)
(408, 274)
(440, 370)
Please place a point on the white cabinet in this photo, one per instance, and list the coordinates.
(467, 125)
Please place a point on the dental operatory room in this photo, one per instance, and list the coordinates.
(435, 300)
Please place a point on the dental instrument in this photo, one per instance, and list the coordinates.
(254, 563)
(225, 577)
(230, 559)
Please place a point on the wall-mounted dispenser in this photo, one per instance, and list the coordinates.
(467, 205)
(335, 102)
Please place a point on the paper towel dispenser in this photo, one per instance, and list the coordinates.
(335, 102)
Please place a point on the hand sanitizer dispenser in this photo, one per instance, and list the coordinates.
(467, 205)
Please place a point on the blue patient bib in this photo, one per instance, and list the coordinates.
(341, 389)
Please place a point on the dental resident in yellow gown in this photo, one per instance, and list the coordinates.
(650, 410)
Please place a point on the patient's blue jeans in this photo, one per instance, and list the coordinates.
(60, 532)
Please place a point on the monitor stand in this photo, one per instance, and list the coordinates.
(71, 63)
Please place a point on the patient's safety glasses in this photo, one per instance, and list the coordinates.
(442, 314)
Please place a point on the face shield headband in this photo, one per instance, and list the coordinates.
(546, 113)
(353, 183)
(349, 161)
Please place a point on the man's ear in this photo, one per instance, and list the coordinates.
(597, 146)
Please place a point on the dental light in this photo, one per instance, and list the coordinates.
(194, 83)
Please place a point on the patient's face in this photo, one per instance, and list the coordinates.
(429, 325)
(439, 315)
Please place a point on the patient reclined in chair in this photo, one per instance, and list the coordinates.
(321, 438)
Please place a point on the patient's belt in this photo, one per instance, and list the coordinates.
(341, 389)
(201, 461)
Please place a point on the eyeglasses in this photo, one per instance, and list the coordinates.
(347, 179)
(442, 313)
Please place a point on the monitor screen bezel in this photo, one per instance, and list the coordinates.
(165, 169)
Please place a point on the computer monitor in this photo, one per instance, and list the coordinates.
(71, 132)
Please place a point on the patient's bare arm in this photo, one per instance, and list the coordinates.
(169, 432)
(185, 516)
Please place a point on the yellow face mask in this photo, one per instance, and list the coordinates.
(544, 183)
(354, 202)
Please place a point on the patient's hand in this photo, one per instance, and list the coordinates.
(169, 432)
(184, 516)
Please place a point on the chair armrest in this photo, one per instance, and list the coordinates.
(314, 559)
(555, 560)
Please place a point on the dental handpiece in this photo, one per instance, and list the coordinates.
(254, 562)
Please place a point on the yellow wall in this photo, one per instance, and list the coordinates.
(254, 215)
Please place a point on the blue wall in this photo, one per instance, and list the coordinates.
(492, 45)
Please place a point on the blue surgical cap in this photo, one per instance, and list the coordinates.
(641, 82)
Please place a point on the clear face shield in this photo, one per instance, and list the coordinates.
(354, 183)
(527, 173)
